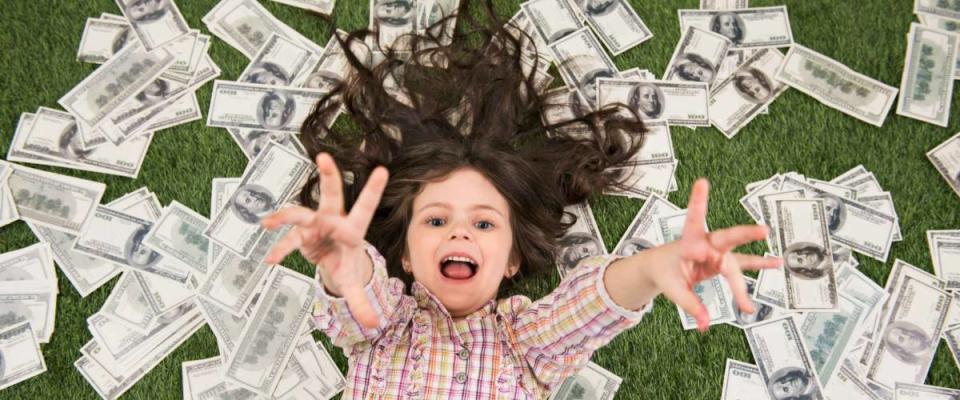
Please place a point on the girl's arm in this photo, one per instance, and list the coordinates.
(606, 295)
(334, 318)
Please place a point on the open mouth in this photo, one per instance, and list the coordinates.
(458, 267)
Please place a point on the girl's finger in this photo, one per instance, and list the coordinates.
(331, 186)
(296, 215)
(695, 225)
(360, 306)
(362, 211)
(731, 271)
(340, 230)
(290, 242)
(752, 262)
(728, 239)
(689, 302)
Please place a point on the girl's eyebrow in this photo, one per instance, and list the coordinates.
(447, 206)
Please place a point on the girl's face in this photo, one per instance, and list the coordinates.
(464, 215)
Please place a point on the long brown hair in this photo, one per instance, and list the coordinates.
(466, 101)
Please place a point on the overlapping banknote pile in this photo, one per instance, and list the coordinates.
(152, 66)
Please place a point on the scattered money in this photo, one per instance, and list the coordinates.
(616, 22)
(552, 19)
(836, 85)
(155, 24)
(56, 201)
(810, 279)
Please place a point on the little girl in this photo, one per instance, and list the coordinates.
(476, 197)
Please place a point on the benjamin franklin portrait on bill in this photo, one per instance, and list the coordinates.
(252, 202)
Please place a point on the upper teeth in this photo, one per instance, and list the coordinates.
(458, 258)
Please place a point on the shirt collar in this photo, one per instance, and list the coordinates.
(426, 299)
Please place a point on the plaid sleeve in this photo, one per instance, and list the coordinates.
(333, 317)
(558, 333)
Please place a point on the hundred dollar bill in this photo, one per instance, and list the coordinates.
(253, 141)
(280, 62)
(115, 82)
(830, 333)
(593, 382)
(864, 229)
(907, 391)
(723, 4)
(926, 86)
(118, 237)
(155, 24)
(742, 381)
(855, 284)
(314, 357)
(746, 92)
(431, 12)
(54, 136)
(911, 329)
(582, 240)
(163, 294)
(680, 103)
(937, 7)
(746, 28)
(102, 38)
(943, 24)
(232, 281)
(333, 67)
(264, 107)
(644, 231)
(898, 273)
(809, 274)
(848, 384)
(865, 185)
(269, 337)
(784, 359)
(616, 22)
(203, 379)
(552, 19)
(270, 181)
(946, 159)
(320, 6)
(697, 56)
(179, 234)
(56, 201)
(246, 25)
(130, 118)
(836, 85)
(84, 272)
(180, 111)
(946, 261)
(23, 359)
(582, 62)
(8, 210)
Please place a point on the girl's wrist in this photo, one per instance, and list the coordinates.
(628, 281)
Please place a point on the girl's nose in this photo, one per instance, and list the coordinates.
(460, 230)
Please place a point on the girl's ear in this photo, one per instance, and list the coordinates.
(513, 266)
(405, 261)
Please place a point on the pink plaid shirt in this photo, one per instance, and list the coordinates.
(509, 349)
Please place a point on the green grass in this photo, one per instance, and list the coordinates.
(656, 359)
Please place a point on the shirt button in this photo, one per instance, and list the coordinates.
(463, 354)
(461, 377)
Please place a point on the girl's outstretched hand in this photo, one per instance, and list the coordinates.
(332, 239)
(700, 255)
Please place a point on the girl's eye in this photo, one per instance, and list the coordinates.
(435, 221)
(485, 225)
